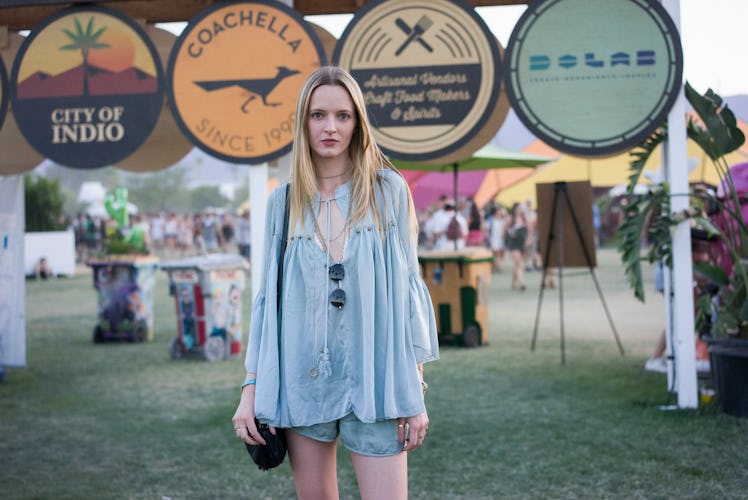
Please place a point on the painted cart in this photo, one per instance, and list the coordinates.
(207, 291)
(124, 284)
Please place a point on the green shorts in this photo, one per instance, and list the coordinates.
(378, 439)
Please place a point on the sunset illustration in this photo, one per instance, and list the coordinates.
(119, 54)
(124, 49)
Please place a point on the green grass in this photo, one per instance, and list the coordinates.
(125, 421)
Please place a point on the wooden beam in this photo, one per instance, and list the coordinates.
(25, 14)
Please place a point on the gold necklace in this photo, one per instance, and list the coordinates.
(321, 236)
(333, 176)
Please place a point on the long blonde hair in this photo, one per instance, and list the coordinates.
(365, 155)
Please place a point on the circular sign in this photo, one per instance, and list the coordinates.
(593, 78)
(17, 155)
(430, 73)
(3, 92)
(167, 144)
(86, 87)
(236, 72)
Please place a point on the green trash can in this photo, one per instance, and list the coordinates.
(125, 297)
(458, 284)
(207, 291)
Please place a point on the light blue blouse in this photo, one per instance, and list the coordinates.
(384, 329)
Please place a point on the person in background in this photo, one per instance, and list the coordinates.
(496, 223)
(357, 322)
(515, 239)
(210, 231)
(433, 215)
(244, 234)
(186, 237)
(42, 269)
(533, 260)
(226, 231)
(701, 243)
(451, 228)
(91, 236)
(171, 233)
(474, 225)
(158, 232)
(597, 224)
(79, 227)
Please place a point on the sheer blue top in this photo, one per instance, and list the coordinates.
(374, 342)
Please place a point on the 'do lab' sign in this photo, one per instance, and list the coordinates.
(235, 76)
(86, 87)
(593, 78)
(430, 72)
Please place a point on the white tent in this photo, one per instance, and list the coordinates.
(91, 192)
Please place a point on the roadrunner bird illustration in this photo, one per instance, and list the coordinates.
(261, 87)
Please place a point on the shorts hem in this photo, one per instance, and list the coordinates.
(372, 454)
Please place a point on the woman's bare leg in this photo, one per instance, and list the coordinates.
(382, 477)
(313, 466)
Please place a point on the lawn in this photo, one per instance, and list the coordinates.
(85, 420)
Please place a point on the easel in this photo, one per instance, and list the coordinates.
(555, 228)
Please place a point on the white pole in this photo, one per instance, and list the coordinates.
(676, 170)
(258, 197)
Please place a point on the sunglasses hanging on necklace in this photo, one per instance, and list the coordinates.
(336, 272)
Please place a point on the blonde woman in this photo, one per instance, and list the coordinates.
(357, 320)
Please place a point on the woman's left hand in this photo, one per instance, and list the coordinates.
(411, 431)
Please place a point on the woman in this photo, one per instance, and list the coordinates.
(475, 225)
(515, 241)
(496, 237)
(350, 367)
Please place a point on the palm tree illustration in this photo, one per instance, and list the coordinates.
(85, 42)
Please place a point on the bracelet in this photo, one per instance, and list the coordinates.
(249, 381)
(424, 386)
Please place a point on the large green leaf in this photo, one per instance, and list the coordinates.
(719, 121)
(641, 153)
(713, 273)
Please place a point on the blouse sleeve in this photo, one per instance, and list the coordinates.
(421, 309)
(257, 318)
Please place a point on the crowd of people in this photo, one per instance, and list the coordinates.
(513, 232)
(169, 235)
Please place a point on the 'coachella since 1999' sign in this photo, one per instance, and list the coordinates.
(236, 73)
(593, 78)
(429, 70)
(87, 87)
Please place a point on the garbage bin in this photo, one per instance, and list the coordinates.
(125, 288)
(458, 284)
(207, 291)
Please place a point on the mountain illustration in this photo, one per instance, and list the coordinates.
(101, 82)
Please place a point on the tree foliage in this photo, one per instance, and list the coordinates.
(44, 204)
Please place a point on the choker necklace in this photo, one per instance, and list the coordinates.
(333, 176)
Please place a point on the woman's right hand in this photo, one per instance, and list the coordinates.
(244, 418)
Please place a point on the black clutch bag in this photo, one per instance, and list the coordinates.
(271, 454)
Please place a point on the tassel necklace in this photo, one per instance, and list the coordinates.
(323, 364)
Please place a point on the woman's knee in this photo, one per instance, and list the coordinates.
(313, 466)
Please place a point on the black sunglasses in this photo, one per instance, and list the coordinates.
(337, 296)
